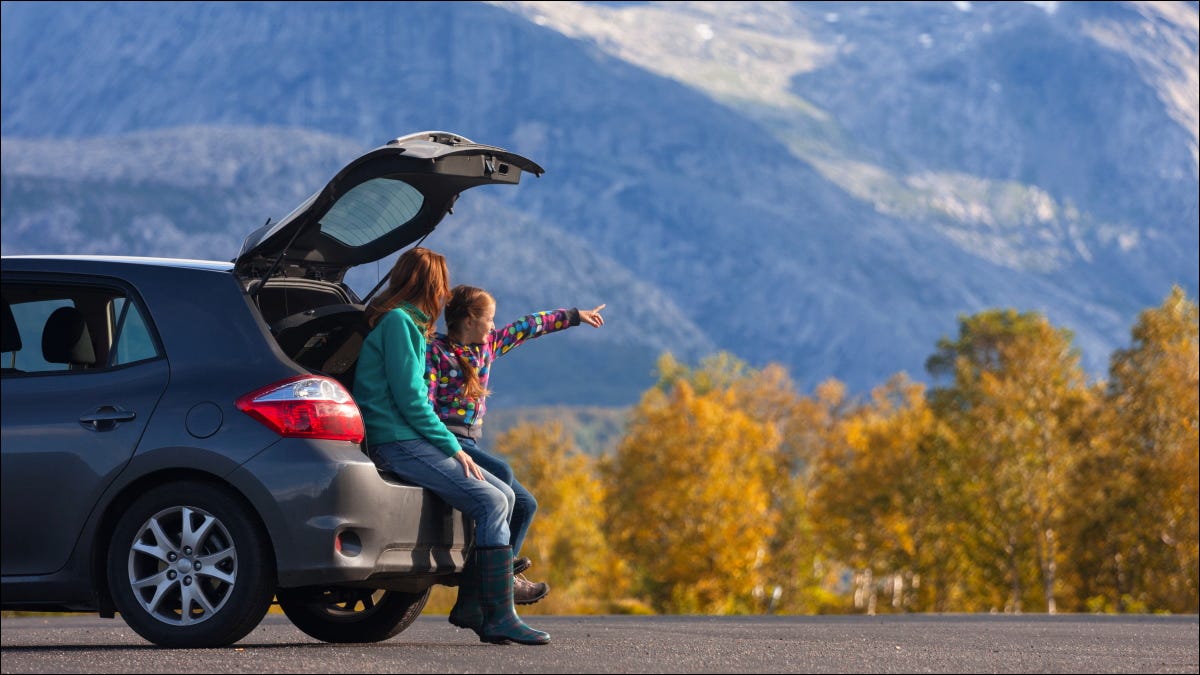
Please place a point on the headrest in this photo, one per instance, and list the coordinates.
(10, 337)
(65, 339)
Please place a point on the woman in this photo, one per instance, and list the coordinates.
(406, 438)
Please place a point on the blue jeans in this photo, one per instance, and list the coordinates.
(488, 502)
(523, 510)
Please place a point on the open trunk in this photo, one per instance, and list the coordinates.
(378, 204)
(317, 325)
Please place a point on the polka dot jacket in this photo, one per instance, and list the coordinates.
(446, 383)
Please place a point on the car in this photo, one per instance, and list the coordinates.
(180, 444)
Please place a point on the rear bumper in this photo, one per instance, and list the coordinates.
(333, 519)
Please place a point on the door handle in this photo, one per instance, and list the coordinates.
(106, 418)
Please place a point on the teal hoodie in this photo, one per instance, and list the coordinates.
(390, 386)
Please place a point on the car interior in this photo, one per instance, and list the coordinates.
(10, 339)
(317, 324)
(76, 328)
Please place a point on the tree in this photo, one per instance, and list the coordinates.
(870, 497)
(1151, 452)
(689, 508)
(802, 569)
(567, 536)
(1014, 412)
(796, 578)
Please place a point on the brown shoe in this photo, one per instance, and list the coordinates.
(525, 592)
(521, 564)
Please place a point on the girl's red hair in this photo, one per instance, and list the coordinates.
(466, 302)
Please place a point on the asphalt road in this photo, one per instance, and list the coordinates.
(624, 644)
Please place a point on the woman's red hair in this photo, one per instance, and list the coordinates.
(420, 278)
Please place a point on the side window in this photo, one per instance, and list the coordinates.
(60, 327)
(134, 341)
(30, 317)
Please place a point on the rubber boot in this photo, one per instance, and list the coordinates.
(467, 612)
(500, 621)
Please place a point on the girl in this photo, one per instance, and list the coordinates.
(405, 437)
(458, 367)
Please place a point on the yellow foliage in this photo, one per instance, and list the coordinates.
(1018, 486)
(1016, 412)
(871, 489)
(566, 540)
(1155, 437)
(692, 515)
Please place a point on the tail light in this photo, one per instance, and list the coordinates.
(306, 406)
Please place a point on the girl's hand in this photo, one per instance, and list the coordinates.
(469, 466)
(592, 317)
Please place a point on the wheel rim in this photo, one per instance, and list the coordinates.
(182, 566)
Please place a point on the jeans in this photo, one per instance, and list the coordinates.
(488, 502)
(526, 505)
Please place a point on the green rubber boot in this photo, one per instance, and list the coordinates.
(500, 621)
(467, 612)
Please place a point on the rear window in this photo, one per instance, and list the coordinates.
(372, 210)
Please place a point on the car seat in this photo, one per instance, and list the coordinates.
(10, 338)
(65, 339)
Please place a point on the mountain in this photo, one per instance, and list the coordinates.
(151, 193)
(826, 185)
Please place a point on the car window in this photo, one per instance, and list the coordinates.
(371, 210)
(30, 317)
(134, 342)
(63, 328)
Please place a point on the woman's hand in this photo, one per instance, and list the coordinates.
(592, 317)
(469, 466)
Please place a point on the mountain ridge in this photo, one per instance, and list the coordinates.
(814, 227)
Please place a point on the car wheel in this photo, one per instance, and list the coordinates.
(351, 614)
(190, 567)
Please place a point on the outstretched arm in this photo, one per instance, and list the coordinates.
(537, 324)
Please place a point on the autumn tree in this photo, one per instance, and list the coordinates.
(1015, 416)
(1140, 518)
(802, 569)
(871, 494)
(796, 577)
(566, 540)
(690, 504)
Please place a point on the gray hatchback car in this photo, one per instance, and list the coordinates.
(179, 441)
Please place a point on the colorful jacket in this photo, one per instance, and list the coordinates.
(389, 384)
(446, 382)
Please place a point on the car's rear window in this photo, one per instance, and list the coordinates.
(371, 210)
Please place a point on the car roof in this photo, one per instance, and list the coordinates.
(211, 265)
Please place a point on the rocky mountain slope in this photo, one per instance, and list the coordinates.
(826, 185)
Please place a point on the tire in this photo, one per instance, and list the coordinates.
(190, 567)
(350, 614)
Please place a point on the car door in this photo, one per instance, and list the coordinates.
(83, 374)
